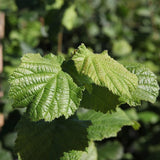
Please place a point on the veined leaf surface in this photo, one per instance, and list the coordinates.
(105, 71)
(89, 154)
(147, 89)
(94, 97)
(105, 125)
(40, 84)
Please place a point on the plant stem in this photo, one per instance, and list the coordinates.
(60, 41)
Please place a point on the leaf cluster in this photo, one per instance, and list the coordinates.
(52, 89)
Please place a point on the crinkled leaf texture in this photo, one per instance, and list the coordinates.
(94, 97)
(104, 125)
(89, 154)
(148, 88)
(41, 85)
(42, 140)
(105, 71)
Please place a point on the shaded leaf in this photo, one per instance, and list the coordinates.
(4, 154)
(100, 99)
(9, 140)
(48, 140)
(80, 80)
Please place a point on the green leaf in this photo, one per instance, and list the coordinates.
(148, 117)
(147, 89)
(105, 125)
(121, 48)
(81, 80)
(72, 155)
(145, 12)
(40, 84)
(94, 97)
(4, 154)
(132, 114)
(69, 17)
(49, 140)
(9, 140)
(56, 5)
(90, 154)
(99, 99)
(105, 71)
(112, 150)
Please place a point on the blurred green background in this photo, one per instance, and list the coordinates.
(128, 29)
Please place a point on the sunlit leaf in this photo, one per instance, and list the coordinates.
(148, 88)
(89, 154)
(69, 17)
(105, 71)
(40, 84)
(105, 125)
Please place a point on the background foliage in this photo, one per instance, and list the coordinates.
(129, 30)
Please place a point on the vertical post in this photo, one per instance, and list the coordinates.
(60, 39)
(1, 58)
(1, 67)
(2, 26)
